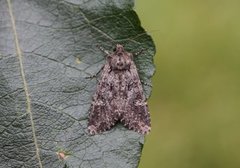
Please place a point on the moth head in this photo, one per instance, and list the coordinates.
(118, 48)
(120, 59)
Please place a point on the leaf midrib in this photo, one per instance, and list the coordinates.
(25, 85)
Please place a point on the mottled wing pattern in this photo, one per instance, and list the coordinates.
(136, 116)
(119, 96)
(101, 117)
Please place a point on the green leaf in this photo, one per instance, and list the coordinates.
(47, 48)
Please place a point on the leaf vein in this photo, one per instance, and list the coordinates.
(28, 100)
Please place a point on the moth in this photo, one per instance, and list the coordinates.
(119, 95)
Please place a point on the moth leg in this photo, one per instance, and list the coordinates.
(103, 50)
(147, 84)
(95, 75)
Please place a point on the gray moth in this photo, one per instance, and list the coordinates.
(119, 95)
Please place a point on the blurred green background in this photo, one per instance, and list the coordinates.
(195, 102)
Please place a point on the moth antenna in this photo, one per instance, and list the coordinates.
(139, 52)
(103, 49)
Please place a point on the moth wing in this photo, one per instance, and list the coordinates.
(101, 117)
(136, 115)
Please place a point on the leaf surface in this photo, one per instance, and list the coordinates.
(47, 48)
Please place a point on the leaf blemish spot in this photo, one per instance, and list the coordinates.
(77, 61)
(62, 155)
